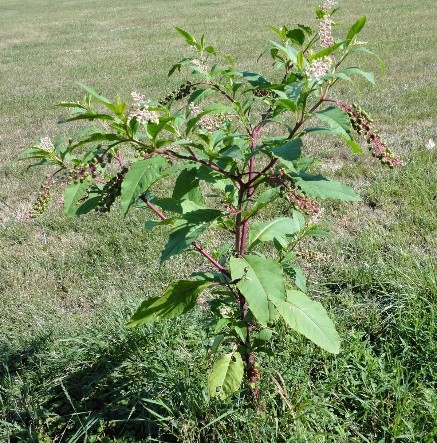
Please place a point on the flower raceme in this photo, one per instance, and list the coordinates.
(329, 4)
(142, 113)
(325, 24)
(46, 144)
(325, 32)
(318, 68)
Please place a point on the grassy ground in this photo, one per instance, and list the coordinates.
(71, 372)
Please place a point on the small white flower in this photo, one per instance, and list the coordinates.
(195, 110)
(46, 144)
(318, 68)
(144, 116)
(328, 4)
(200, 64)
(430, 145)
(137, 97)
(325, 32)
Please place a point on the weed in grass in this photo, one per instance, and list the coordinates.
(386, 320)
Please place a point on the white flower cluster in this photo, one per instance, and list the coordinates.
(200, 64)
(318, 68)
(325, 25)
(325, 32)
(144, 116)
(210, 123)
(46, 144)
(142, 113)
(137, 97)
(329, 4)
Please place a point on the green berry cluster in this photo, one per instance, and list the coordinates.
(263, 93)
(111, 191)
(42, 201)
(178, 94)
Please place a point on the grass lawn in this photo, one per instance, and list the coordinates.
(70, 371)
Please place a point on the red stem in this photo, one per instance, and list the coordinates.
(291, 135)
(209, 164)
(249, 186)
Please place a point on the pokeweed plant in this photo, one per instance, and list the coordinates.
(239, 135)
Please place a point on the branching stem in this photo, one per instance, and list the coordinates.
(195, 245)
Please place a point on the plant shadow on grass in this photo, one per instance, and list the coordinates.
(108, 393)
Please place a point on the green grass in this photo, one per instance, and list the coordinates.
(70, 370)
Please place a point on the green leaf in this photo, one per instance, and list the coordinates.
(285, 103)
(91, 203)
(317, 186)
(181, 238)
(89, 115)
(260, 280)
(138, 180)
(226, 375)
(297, 36)
(98, 137)
(295, 271)
(73, 194)
(288, 152)
(264, 199)
(355, 147)
(179, 298)
(70, 105)
(255, 79)
(367, 75)
(310, 319)
(278, 229)
(47, 157)
(287, 51)
(325, 52)
(188, 38)
(100, 98)
(216, 343)
(187, 186)
(306, 29)
(337, 119)
(355, 29)
(187, 230)
(200, 94)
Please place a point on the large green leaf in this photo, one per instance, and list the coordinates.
(355, 147)
(310, 319)
(178, 298)
(367, 75)
(260, 280)
(201, 94)
(279, 229)
(264, 199)
(96, 137)
(226, 375)
(325, 52)
(317, 186)
(355, 29)
(288, 152)
(138, 180)
(255, 79)
(187, 186)
(338, 120)
(187, 229)
(73, 194)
